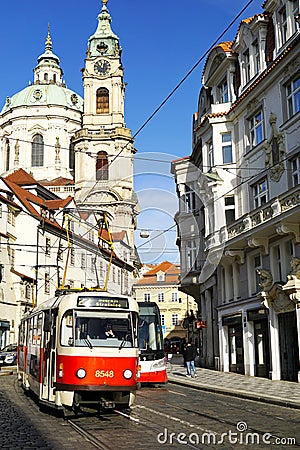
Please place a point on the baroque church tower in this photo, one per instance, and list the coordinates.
(104, 147)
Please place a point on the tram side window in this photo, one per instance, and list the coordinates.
(30, 337)
(39, 328)
(67, 329)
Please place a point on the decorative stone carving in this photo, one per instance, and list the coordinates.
(275, 151)
(259, 242)
(273, 294)
(289, 228)
(237, 255)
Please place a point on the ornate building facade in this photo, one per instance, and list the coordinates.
(66, 186)
(241, 256)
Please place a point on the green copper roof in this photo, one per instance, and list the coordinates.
(44, 94)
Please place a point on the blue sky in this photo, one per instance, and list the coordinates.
(161, 42)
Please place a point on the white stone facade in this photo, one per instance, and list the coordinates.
(246, 147)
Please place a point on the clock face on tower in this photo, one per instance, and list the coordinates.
(102, 67)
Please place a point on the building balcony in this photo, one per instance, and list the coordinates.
(281, 216)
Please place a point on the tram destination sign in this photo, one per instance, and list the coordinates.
(103, 302)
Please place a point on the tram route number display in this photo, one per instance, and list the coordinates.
(104, 374)
(103, 302)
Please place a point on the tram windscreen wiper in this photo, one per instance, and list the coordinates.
(88, 343)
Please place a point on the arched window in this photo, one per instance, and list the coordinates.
(102, 166)
(45, 77)
(37, 151)
(54, 77)
(7, 154)
(71, 157)
(102, 105)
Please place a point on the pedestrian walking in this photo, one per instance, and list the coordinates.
(190, 354)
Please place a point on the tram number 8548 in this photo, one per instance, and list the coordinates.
(104, 374)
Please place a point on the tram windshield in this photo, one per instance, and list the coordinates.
(90, 329)
(150, 332)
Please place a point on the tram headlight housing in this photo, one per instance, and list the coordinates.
(127, 374)
(81, 373)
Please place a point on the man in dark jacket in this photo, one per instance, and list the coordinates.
(189, 355)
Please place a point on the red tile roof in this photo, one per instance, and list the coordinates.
(171, 271)
(21, 177)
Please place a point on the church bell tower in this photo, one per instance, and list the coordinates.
(104, 147)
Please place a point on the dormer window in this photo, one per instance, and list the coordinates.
(256, 57)
(246, 60)
(223, 92)
(161, 276)
(283, 25)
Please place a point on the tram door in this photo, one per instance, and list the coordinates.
(49, 356)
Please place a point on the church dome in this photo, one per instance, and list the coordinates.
(44, 95)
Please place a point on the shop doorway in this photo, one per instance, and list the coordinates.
(236, 350)
(262, 352)
(288, 342)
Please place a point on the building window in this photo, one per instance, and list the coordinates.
(161, 297)
(247, 71)
(256, 266)
(71, 156)
(260, 193)
(174, 297)
(0, 210)
(37, 151)
(210, 155)
(227, 148)
(229, 209)
(223, 92)
(293, 96)
(190, 199)
(256, 57)
(175, 320)
(295, 166)
(72, 256)
(191, 254)
(295, 11)
(283, 25)
(147, 297)
(48, 247)
(60, 252)
(161, 276)
(102, 166)
(83, 261)
(256, 129)
(7, 154)
(47, 283)
(28, 291)
(102, 101)
(162, 318)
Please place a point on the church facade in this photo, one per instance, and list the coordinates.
(67, 202)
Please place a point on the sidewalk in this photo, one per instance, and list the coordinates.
(282, 393)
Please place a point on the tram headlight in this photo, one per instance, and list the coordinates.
(81, 373)
(127, 374)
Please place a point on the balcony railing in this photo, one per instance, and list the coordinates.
(271, 210)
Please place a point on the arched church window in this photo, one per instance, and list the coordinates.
(71, 157)
(102, 97)
(37, 151)
(46, 77)
(7, 154)
(102, 166)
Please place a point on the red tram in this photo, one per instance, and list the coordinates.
(152, 355)
(80, 349)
